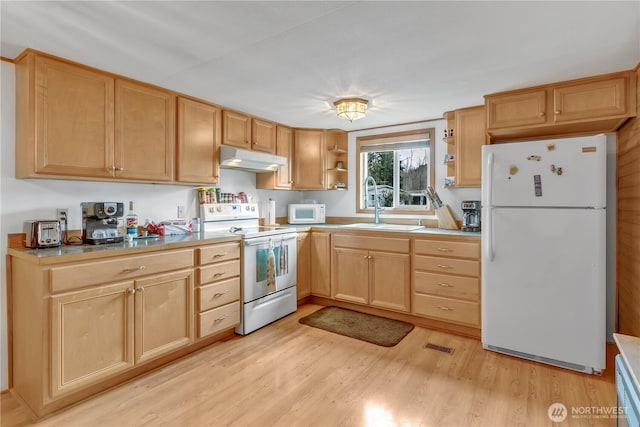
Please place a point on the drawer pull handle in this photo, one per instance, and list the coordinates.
(445, 285)
(442, 307)
(220, 319)
(444, 250)
(220, 255)
(219, 294)
(220, 274)
(444, 266)
(131, 270)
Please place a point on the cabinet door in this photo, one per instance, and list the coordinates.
(320, 264)
(470, 134)
(199, 135)
(303, 271)
(603, 99)
(351, 275)
(73, 121)
(309, 160)
(516, 109)
(390, 280)
(236, 129)
(263, 136)
(284, 148)
(145, 132)
(164, 314)
(91, 336)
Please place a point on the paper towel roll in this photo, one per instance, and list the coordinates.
(271, 213)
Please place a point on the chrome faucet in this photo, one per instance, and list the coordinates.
(376, 202)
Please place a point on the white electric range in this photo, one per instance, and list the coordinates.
(262, 303)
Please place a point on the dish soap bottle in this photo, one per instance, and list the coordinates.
(132, 223)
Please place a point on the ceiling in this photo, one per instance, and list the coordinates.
(288, 61)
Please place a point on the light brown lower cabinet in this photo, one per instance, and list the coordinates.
(321, 264)
(83, 325)
(362, 273)
(303, 267)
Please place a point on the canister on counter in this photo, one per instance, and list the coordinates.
(202, 195)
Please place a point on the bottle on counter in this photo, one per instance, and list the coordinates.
(132, 222)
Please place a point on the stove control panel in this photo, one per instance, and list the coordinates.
(228, 211)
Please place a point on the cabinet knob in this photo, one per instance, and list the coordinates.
(140, 289)
(131, 291)
(541, 114)
(120, 169)
(558, 112)
(365, 257)
(370, 257)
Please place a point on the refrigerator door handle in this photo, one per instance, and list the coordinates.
(487, 199)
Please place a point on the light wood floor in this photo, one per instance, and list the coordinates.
(289, 374)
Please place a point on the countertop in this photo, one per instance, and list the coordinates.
(66, 253)
(345, 227)
(630, 350)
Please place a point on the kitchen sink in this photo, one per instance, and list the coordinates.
(383, 226)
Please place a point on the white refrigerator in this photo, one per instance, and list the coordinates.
(544, 251)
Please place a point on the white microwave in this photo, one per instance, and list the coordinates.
(306, 213)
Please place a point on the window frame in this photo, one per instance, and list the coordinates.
(395, 137)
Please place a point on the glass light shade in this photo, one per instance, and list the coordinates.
(351, 108)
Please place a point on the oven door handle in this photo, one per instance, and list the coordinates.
(276, 240)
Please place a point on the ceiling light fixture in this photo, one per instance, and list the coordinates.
(351, 108)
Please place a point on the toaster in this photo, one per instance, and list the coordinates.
(42, 233)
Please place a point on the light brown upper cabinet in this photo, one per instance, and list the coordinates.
(76, 122)
(199, 135)
(469, 135)
(593, 104)
(243, 131)
(145, 132)
(280, 179)
(65, 120)
(309, 159)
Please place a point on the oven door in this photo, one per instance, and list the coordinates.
(256, 255)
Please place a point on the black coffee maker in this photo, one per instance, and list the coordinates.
(100, 222)
(471, 215)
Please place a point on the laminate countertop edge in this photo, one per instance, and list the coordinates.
(70, 253)
(630, 350)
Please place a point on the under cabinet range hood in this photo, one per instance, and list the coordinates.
(254, 161)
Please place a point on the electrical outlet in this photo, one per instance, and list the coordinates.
(62, 214)
(180, 211)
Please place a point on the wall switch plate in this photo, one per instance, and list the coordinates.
(180, 211)
(62, 215)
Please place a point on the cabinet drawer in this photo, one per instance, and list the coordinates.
(448, 265)
(217, 272)
(93, 273)
(449, 249)
(447, 285)
(217, 253)
(217, 294)
(447, 309)
(218, 319)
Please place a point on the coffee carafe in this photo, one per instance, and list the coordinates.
(471, 215)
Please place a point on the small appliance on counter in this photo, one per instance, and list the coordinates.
(471, 215)
(306, 213)
(100, 222)
(42, 233)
